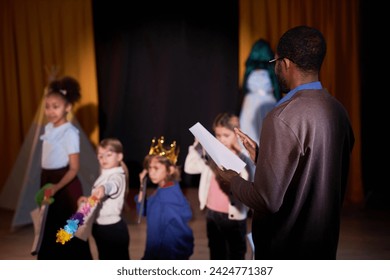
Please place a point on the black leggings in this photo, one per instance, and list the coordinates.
(227, 238)
(112, 241)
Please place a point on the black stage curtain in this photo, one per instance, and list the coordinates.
(161, 68)
(374, 112)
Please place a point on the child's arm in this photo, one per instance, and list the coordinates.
(195, 159)
(99, 192)
(74, 166)
(81, 200)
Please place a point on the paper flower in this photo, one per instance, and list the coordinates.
(65, 234)
(42, 195)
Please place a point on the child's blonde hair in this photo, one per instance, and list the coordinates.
(114, 145)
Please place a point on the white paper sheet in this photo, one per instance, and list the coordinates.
(216, 150)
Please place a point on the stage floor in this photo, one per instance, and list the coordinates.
(365, 234)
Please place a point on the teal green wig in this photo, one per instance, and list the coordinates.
(258, 58)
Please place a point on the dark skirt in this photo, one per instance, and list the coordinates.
(63, 207)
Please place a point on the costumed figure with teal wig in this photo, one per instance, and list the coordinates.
(260, 89)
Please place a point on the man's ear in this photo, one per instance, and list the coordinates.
(287, 62)
(171, 169)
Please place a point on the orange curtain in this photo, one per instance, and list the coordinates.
(338, 21)
(35, 34)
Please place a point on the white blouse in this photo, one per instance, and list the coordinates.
(58, 143)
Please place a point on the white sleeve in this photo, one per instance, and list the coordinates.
(194, 163)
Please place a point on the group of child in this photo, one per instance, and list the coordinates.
(167, 210)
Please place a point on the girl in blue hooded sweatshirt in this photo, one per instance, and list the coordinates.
(167, 211)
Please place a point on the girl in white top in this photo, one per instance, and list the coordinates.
(60, 164)
(226, 216)
(257, 103)
(260, 88)
(109, 228)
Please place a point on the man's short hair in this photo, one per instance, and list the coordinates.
(303, 45)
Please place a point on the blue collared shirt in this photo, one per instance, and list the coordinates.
(313, 85)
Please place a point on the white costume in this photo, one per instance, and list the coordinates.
(257, 103)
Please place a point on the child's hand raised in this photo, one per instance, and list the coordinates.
(81, 200)
(98, 192)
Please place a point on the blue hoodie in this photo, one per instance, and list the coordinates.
(169, 237)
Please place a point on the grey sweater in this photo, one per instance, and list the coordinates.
(300, 180)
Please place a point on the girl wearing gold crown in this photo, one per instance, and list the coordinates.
(167, 211)
(226, 217)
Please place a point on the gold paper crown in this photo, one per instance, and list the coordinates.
(157, 148)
